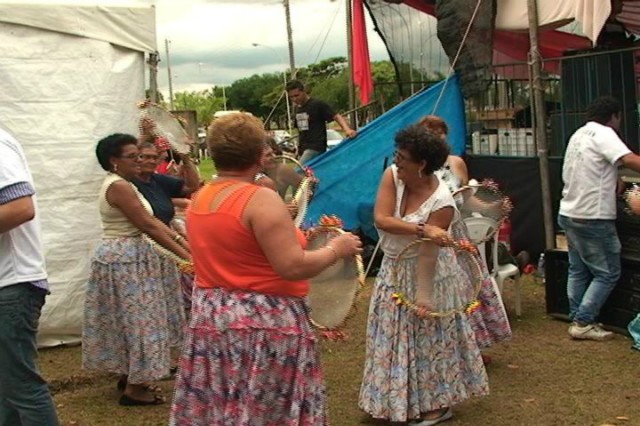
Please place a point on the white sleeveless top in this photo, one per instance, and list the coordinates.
(393, 244)
(114, 223)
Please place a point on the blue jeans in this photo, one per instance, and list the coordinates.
(307, 155)
(594, 265)
(24, 395)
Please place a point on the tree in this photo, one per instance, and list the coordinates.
(248, 94)
(262, 94)
(205, 103)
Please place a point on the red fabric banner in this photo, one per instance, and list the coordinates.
(361, 65)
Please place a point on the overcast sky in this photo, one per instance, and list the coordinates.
(211, 40)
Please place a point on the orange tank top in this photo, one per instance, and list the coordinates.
(225, 253)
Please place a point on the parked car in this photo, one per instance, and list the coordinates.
(333, 138)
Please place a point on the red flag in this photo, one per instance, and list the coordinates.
(361, 66)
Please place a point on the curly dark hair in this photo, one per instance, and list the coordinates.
(602, 108)
(111, 146)
(423, 144)
(236, 141)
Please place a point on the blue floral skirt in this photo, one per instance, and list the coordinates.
(415, 365)
(132, 311)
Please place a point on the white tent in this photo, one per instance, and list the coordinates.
(69, 76)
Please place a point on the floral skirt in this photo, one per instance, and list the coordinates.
(248, 359)
(130, 315)
(489, 321)
(172, 282)
(416, 365)
(186, 283)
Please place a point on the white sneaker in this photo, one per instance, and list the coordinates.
(589, 332)
(448, 414)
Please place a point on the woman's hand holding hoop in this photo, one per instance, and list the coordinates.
(333, 291)
(346, 245)
(438, 235)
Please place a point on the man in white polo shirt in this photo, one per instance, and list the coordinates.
(24, 395)
(588, 212)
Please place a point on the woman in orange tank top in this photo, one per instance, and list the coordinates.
(250, 355)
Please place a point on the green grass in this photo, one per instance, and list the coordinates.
(539, 378)
(207, 169)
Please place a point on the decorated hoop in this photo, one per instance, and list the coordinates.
(303, 193)
(333, 292)
(632, 198)
(443, 300)
(483, 200)
(165, 124)
(183, 265)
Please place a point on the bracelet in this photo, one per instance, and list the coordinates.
(335, 253)
(420, 230)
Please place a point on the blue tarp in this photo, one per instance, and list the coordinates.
(350, 173)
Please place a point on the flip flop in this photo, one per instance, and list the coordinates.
(122, 384)
(131, 402)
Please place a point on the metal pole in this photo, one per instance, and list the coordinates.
(286, 101)
(284, 81)
(224, 97)
(352, 89)
(166, 46)
(153, 77)
(292, 60)
(540, 128)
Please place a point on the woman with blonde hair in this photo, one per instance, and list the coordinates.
(250, 356)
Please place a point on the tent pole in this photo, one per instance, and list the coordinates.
(153, 77)
(540, 128)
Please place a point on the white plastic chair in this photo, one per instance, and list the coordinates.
(479, 227)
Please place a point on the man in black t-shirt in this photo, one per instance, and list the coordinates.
(311, 118)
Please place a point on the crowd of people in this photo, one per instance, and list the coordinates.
(249, 353)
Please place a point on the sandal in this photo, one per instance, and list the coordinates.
(127, 401)
(122, 384)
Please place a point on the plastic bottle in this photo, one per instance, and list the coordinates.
(540, 270)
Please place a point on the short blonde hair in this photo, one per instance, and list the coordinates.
(236, 141)
(434, 124)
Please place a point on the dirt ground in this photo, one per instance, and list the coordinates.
(539, 378)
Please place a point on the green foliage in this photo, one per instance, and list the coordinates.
(248, 94)
(205, 103)
(261, 94)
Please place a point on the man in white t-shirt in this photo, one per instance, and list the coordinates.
(588, 212)
(24, 395)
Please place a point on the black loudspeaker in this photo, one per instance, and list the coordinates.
(587, 76)
(594, 73)
(620, 308)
